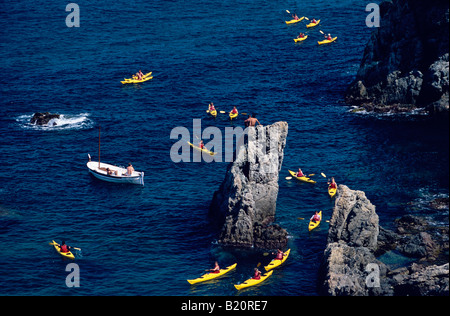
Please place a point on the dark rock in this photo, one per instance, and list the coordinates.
(423, 281)
(245, 204)
(405, 63)
(43, 118)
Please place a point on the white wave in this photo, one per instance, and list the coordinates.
(65, 121)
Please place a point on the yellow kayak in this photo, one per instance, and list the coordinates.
(210, 276)
(147, 77)
(304, 179)
(68, 255)
(331, 192)
(294, 21)
(327, 41)
(252, 282)
(312, 24)
(232, 116)
(204, 149)
(313, 224)
(300, 39)
(213, 113)
(276, 263)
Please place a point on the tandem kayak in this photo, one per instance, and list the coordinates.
(252, 282)
(68, 255)
(232, 116)
(304, 179)
(331, 191)
(327, 41)
(313, 224)
(300, 39)
(210, 276)
(294, 21)
(312, 24)
(200, 149)
(276, 263)
(147, 77)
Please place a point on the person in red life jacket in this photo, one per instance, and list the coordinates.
(316, 217)
(314, 21)
(201, 145)
(279, 255)
(211, 107)
(301, 35)
(295, 16)
(300, 173)
(257, 274)
(328, 37)
(234, 111)
(332, 184)
(63, 247)
(216, 268)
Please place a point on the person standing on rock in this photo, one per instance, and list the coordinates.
(251, 121)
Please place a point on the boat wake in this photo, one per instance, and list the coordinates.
(64, 122)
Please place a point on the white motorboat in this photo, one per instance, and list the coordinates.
(111, 173)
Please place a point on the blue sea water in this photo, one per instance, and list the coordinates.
(148, 240)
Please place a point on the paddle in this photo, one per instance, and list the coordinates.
(288, 11)
(50, 243)
(302, 219)
(288, 178)
(323, 175)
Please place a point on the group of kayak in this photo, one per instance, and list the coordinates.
(301, 37)
(315, 220)
(258, 277)
(213, 111)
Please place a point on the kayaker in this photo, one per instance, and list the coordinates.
(201, 145)
(332, 184)
(211, 107)
(234, 110)
(295, 17)
(315, 217)
(216, 268)
(300, 173)
(140, 75)
(63, 247)
(328, 37)
(251, 121)
(301, 35)
(279, 255)
(257, 274)
(314, 21)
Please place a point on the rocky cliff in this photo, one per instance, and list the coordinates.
(245, 204)
(355, 240)
(406, 61)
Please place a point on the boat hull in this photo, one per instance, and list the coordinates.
(101, 173)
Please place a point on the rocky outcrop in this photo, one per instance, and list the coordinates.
(354, 220)
(43, 118)
(245, 204)
(355, 240)
(406, 61)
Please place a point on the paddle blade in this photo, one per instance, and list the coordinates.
(323, 175)
(288, 11)
(288, 178)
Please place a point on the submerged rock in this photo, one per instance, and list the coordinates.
(245, 204)
(43, 118)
